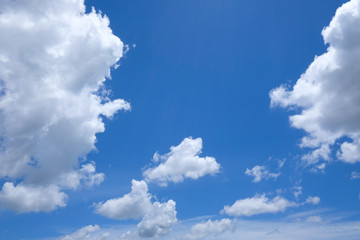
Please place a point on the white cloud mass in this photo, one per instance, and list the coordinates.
(258, 204)
(157, 218)
(24, 198)
(54, 60)
(133, 205)
(327, 94)
(181, 162)
(260, 172)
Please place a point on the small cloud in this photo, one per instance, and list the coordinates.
(260, 172)
(183, 161)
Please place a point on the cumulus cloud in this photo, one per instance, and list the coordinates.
(260, 172)
(54, 60)
(133, 205)
(157, 218)
(258, 204)
(181, 162)
(327, 94)
(204, 229)
(25, 198)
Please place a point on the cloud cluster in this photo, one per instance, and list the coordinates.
(260, 172)
(181, 162)
(157, 218)
(54, 60)
(327, 94)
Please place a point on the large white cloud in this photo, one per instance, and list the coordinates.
(204, 229)
(258, 204)
(22, 198)
(157, 218)
(54, 59)
(181, 162)
(133, 205)
(327, 94)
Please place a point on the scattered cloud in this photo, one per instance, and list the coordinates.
(181, 162)
(276, 229)
(313, 200)
(327, 94)
(204, 229)
(133, 205)
(26, 198)
(157, 218)
(260, 172)
(86, 233)
(258, 204)
(54, 60)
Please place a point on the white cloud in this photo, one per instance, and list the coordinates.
(91, 232)
(54, 60)
(24, 198)
(258, 204)
(327, 94)
(294, 228)
(133, 205)
(159, 220)
(313, 200)
(260, 172)
(181, 162)
(204, 229)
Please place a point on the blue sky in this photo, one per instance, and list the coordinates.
(258, 103)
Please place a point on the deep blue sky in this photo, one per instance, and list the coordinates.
(203, 68)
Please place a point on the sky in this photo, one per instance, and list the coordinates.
(179, 120)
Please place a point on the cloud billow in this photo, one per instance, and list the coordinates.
(54, 60)
(327, 94)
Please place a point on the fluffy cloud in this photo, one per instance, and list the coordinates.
(181, 162)
(54, 60)
(260, 172)
(157, 218)
(23, 198)
(327, 94)
(257, 205)
(133, 205)
(204, 229)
